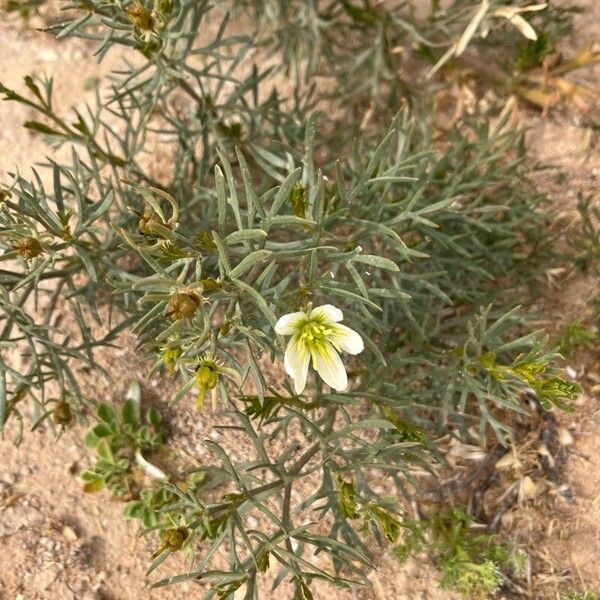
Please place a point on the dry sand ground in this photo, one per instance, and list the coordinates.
(58, 544)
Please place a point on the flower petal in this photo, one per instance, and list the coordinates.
(329, 366)
(296, 362)
(524, 27)
(347, 339)
(327, 313)
(288, 324)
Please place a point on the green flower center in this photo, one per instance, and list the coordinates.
(314, 332)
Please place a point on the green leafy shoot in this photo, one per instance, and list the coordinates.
(471, 563)
(587, 595)
(120, 438)
(575, 336)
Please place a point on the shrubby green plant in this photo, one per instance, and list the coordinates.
(577, 335)
(266, 207)
(586, 245)
(471, 563)
(23, 7)
(581, 596)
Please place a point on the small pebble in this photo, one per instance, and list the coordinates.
(564, 437)
(69, 533)
(252, 523)
(48, 55)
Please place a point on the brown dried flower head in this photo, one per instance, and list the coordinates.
(174, 538)
(140, 17)
(28, 247)
(62, 414)
(183, 305)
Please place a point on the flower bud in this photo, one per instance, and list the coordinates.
(210, 285)
(28, 247)
(206, 379)
(145, 221)
(206, 242)
(140, 17)
(62, 414)
(170, 357)
(206, 375)
(183, 306)
(165, 7)
(66, 233)
(298, 200)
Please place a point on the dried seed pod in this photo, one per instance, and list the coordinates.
(183, 305)
(174, 538)
(28, 247)
(62, 414)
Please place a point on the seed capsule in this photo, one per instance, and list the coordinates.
(62, 414)
(173, 539)
(183, 306)
(28, 247)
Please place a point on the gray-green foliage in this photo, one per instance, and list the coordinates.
(264, 206)
(586, 245)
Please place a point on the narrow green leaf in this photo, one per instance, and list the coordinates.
(284, 191)
(376, 261)
(248, 262)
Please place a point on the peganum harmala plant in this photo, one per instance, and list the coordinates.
(266, 209)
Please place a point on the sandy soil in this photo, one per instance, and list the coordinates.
(58, 544)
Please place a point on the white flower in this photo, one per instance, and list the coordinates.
(318, 334)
